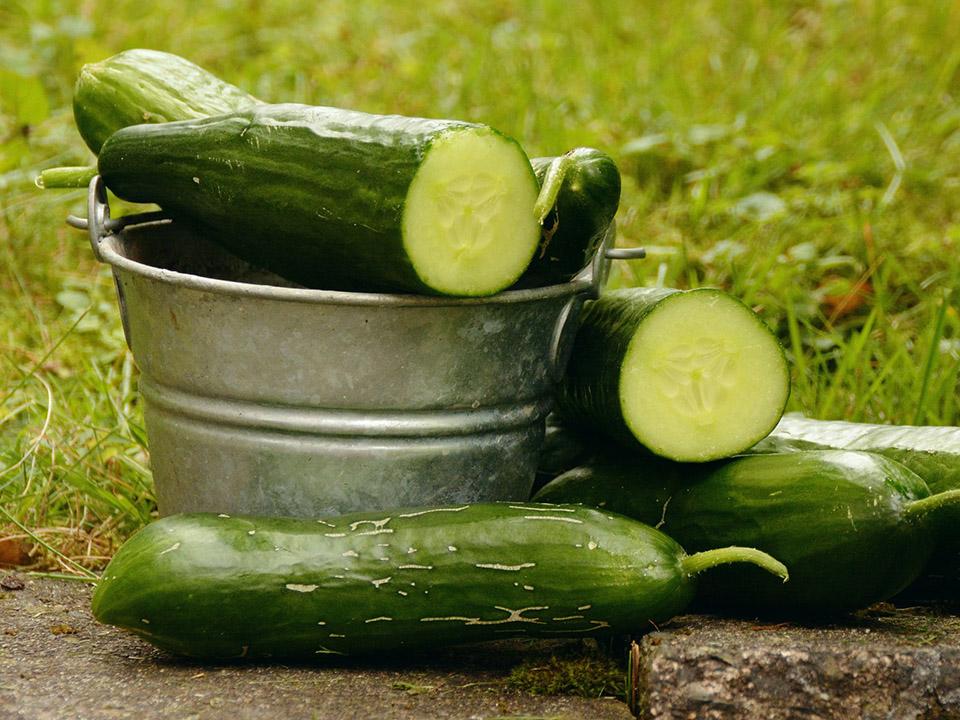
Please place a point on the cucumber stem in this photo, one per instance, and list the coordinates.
(66, 177)
(947, 498)
(552, 181)
(698, 562)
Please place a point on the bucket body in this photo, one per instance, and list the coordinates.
(270, 399)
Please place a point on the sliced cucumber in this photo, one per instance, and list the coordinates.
(692, 376)
(340, 199)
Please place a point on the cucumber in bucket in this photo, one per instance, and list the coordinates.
(340, 199)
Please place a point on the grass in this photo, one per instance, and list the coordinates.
(803, 155)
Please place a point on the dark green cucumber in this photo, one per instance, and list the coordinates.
(932, 452)
(147, 86)
(340, 199)
(217, 587)
(585, 202)
(691, 375)
(854, 528)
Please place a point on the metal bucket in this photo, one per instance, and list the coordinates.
(261, 397)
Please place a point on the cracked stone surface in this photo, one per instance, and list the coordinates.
(887, 663)
(57, 663)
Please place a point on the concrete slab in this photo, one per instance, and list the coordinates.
(57, 663)
(887, 663)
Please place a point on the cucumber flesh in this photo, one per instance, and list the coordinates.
(702, 377)
(467, 225)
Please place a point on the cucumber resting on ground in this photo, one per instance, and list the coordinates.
(147, 86)
(340, 199)
(218, 587)
(854, 528)
(691, 375)
(933, 452)
(582, 193)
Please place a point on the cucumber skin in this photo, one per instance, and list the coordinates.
(147, 86)
(933, 452)
(585, 207)
(812, 510)
(215, 587)
(314, 194)
(588, 397)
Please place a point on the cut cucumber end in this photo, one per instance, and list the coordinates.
(468, 223)
(703, 378)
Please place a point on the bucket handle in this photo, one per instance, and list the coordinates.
(594, 276)
(98, 222)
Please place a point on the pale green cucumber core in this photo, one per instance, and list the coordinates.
(468, 222)
(702, 378)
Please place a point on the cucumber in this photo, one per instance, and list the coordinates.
(584, 194)
(933, 452)
(854, 528)
(218, 587)
(691, 375)
(340, 199)
(147, 86)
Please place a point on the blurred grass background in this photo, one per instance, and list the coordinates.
(803, 155)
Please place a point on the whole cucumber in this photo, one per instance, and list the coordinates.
(854, 528)
(585, 205)
(218, 587)
(147, 86)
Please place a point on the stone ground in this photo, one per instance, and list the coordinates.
(57, 663)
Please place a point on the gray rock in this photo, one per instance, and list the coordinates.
(885, 664)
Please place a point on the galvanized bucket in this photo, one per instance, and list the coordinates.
(265, 398)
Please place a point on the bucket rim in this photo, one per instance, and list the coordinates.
(111, 252)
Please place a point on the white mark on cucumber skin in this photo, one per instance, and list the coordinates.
(509, 568)
(529, 588)
(663, 514)
(543, 509)
(339, 577)
(251, 532)
(415, 567)
(144, 621)
(323, 623)
(384, 559)
(381, 581)
(377, 524)
(297, 587)
(175, 546)
(223, 515)
(850, 518)
(775, 493)
(452, 548)
(384, 531)
(196, 180)
(551, 517)
(579, 545)
(592, 545)
(402, 592)
(383, 544)
(382, 618)
(350, 553)
(584, 607)
(328, 651)
(411, 551)
(324, 522)
(433, 510)
(568, 617)
(336, 635)
(513, 616)
(335, 535)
